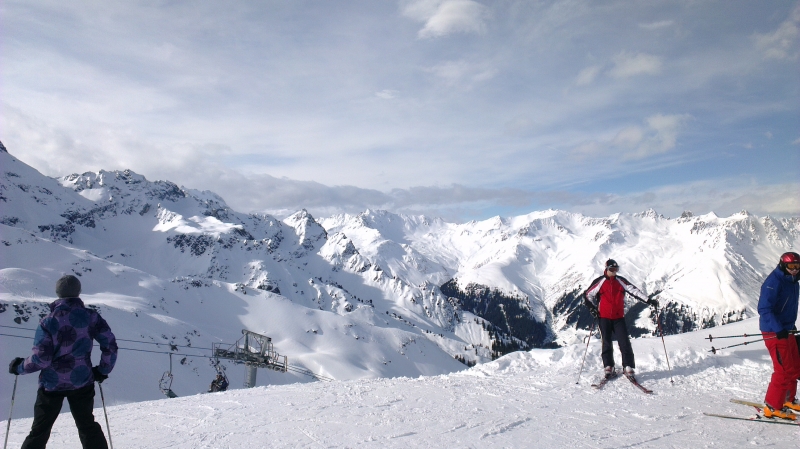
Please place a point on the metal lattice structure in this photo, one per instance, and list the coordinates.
(254, 351)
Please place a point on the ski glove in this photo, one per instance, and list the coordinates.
(782, 335)
(14, 365)
(98, 376)
(653, 302)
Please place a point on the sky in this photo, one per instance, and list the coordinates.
(461, 109)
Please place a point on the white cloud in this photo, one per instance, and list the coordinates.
(630, 137)
(443, 17)
(656, 25)
(463, 73)
(725, 197)
(659, 135)
(455, 202)
(768, 135)
(663, 134)
(629, 64)
(590, 148)
(587, 75)
(796, 142)
(387, 94)
(781, 43)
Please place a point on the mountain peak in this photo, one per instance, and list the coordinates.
(649, 213)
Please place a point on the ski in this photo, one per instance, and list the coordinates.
(603, 381)
(756, 418)
(638, 385)
(759, 408)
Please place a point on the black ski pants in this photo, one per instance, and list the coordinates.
(46, 410)
(618, 329)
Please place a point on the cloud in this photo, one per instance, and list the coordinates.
(723, 196)
(659, 135)
(588, 75)
(443, 17)
(629, 137)
(656, 25)
(460, 203)
(663, 134)
(462, 73)
(781, 43)
(387, 94)
(627, 65)
(796, 141)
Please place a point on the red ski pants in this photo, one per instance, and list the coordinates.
(786, 365)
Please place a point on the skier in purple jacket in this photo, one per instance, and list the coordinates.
(62, 353)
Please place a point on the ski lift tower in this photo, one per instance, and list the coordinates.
(254, 351)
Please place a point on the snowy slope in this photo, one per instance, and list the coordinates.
(348, 297)
(524, 399)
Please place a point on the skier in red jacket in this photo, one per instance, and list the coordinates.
(605, 299)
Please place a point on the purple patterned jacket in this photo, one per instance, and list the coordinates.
(62, 347)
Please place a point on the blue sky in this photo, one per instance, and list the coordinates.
(458, 108)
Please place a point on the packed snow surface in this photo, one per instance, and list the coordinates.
(524, 399)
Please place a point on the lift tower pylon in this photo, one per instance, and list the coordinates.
(254, 351)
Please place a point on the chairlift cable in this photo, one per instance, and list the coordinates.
(293, 368)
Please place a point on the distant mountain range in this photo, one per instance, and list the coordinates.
(367, 295)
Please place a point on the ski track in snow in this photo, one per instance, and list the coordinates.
(525, 399)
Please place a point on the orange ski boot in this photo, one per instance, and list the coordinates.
(784, 413)
(793, 406)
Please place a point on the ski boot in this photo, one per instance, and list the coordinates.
(609, 372)
(629, 372)
(792, 405)
(784, 413)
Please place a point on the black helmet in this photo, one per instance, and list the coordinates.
(611, 263)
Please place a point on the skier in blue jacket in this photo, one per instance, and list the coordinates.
(777, 309)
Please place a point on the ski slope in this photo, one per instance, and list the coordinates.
(525, 399)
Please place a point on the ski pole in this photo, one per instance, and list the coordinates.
(661, 331)
(714, 350)
(588, 340)
(8, 426)
(711, 338)
(103, 400)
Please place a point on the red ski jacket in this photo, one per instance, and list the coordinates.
(608, 295)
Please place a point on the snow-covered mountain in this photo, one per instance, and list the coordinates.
(351, 296)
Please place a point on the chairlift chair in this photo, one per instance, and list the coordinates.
(165, 384)
(220, 368)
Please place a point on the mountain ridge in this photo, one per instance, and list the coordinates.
(469, 291)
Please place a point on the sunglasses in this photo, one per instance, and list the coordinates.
(793, 266)
(613, 269)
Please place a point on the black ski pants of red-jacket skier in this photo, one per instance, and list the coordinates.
(46, 410)
(618, 329)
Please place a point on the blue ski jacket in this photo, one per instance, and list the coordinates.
(777, 305)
